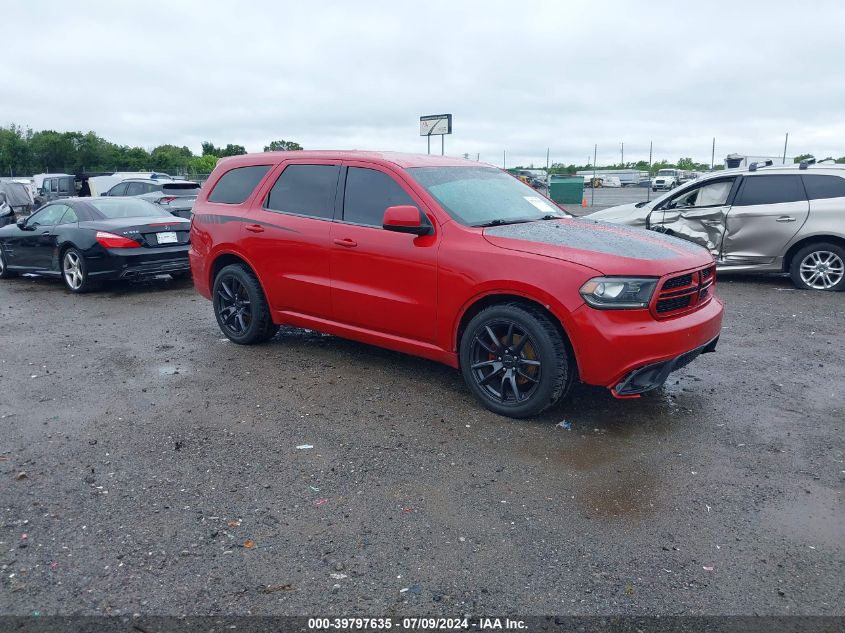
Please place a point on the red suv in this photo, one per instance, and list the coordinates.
(454, 261)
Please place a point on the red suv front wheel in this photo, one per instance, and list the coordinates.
(515, 360)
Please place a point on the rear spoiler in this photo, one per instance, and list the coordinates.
(180, 186)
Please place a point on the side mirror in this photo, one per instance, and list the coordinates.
(21, 224)
(406, 218)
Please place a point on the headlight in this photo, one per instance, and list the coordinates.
(619, 293)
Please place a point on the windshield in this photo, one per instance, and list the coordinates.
(666, 172)
(112, 208)
(476, 196)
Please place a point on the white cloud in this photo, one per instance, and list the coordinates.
(517, 77)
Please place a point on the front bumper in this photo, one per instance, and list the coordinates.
(652, 376)
(611, 344)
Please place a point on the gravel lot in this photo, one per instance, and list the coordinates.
(148, 465)
(605, 197)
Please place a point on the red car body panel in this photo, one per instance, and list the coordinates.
(410, 293)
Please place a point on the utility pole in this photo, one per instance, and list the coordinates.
(593, 188)
(504, 156)
(623, 155)
(713, 155)
(548, 177)
(648, 189)
(785, 141)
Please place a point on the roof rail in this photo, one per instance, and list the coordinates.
(762, 163)
(806, 163)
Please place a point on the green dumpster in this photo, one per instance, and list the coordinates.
(567, 189)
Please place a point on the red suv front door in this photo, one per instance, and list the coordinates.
(381, 280)
(287, 236)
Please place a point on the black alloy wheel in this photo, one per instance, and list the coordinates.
(240, 306)
(504, 361)
(515, 360)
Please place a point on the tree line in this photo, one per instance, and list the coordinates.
(24, 152)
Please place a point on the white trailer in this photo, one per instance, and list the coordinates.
(627, 177)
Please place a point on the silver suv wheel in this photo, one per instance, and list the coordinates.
(822, 269)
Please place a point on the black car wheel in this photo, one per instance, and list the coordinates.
(819, 266)
(5, 273)
(515, 361)
(240, 306)
(75, 272)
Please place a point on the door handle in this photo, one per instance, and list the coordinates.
(785, 218)
(346, 242)
(45, 232)
(254, 228)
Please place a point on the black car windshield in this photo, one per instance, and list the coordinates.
(113, 208)
(479, 196)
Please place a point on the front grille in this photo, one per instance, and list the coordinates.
(684, 293)
(670, 305)
(677, 282)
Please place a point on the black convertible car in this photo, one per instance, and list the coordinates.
(86, 240)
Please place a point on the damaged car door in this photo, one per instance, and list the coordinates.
(698, 213)
(768, 211)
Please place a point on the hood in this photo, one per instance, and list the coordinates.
(612, 249)
(624, 214)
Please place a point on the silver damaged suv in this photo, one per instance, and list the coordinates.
(769, 219)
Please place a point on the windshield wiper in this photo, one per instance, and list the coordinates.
(500, 222)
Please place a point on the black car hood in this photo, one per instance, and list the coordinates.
(610, 248)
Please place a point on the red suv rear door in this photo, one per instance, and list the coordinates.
(287, 236)
(381, 280)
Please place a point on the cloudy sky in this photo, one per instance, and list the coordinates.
(517, 76)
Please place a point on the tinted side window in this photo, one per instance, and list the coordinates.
(118, 190)
(236, 184)
(48, 216)
(770, 190)
(65, 185)
(136, 189)
(368, 194)
(69, 217)
(820, 187)
(305, 190)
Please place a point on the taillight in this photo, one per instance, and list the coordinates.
(110, 240)
(166, 199)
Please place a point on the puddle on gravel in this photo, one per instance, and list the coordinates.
(814, 517)
(619, 457)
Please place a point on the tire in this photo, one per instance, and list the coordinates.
(819, 266)
(75, 272)
(654, 189)
(5, 273)
(240, 306)
(515, 361)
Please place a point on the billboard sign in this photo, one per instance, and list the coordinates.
(435, 124)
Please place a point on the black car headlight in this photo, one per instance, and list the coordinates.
(619, 293)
